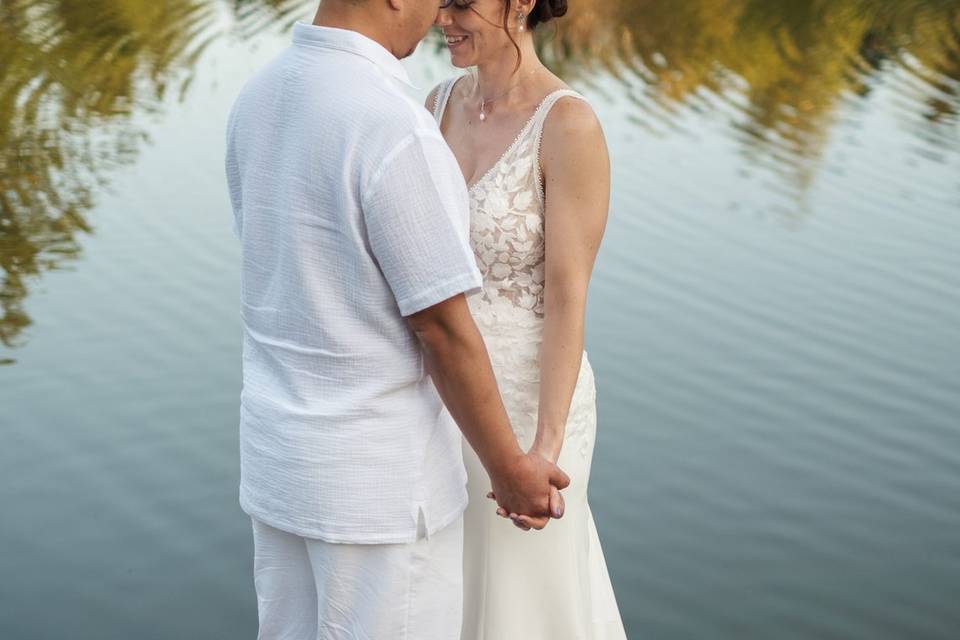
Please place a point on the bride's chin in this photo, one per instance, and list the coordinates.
(460, 60)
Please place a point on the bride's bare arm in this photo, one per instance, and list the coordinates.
(576, 168)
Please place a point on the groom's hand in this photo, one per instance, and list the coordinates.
(527, 488)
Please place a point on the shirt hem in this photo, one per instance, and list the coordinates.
(336, 536)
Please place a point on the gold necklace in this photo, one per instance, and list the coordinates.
(485, 101)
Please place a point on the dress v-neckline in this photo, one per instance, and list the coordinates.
(513, 144)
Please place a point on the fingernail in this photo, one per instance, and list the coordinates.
(559, 511)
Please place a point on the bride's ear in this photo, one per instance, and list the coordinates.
(526, 6)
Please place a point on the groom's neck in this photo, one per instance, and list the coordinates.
(365, 18)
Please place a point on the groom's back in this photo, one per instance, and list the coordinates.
(351, 214)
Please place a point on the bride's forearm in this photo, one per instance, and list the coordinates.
(560, 358)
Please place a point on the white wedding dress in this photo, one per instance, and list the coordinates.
(552, 584)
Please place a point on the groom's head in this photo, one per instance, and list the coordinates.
(399, 25)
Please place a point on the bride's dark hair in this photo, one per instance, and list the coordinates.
(543, 11)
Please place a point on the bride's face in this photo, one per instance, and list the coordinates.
(474, 30)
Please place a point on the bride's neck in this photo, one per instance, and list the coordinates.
(498, 75)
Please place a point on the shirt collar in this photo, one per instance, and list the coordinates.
(353, 42)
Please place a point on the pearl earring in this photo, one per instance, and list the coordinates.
(521, 22)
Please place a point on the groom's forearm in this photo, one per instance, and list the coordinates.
(457, 360)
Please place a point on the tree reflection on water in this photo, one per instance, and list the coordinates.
(76, 72)
(781, 68)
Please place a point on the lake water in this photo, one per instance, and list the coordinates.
(774, 319)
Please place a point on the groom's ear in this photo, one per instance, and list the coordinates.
(396, 5)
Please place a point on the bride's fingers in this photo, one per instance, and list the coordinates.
(491, 495)
(502, 512)
(557, 503)
(527, 523)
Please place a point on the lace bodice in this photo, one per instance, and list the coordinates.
(507, 214)
(507, 235)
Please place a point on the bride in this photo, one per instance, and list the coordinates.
(536, 163)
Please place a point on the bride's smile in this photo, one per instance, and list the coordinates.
(476, 35)
(454, 40)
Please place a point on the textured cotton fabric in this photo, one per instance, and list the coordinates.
(310, 589)
(352, 213)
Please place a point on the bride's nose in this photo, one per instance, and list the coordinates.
(443, 18)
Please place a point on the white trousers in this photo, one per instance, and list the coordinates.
(308, 589)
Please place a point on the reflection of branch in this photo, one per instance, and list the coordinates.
(793, 62)
(76, 71)
(253, 16)
(74, 74)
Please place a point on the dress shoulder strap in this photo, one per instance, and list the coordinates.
(539, 120)
(548, 103)
(443, 97)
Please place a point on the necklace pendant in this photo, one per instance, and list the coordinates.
(483, 117)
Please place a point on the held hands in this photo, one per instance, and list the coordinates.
(528, 491)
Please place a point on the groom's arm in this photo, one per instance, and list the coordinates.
(459, 364)
(416, 218)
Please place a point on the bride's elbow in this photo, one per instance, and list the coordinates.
(566, 301)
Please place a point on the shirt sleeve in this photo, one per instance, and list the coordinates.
(417, 216)
(232, 167)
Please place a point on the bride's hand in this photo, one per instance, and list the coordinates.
(557, 504)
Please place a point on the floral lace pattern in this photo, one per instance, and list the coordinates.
(506, 230)
(507, 234)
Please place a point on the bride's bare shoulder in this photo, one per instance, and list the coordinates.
(572, 120)
(573, 153)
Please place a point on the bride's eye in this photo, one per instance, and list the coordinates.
(456, 4)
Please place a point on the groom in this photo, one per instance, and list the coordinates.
(353, 221)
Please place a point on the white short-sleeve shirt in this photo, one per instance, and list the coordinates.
(352, 213)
